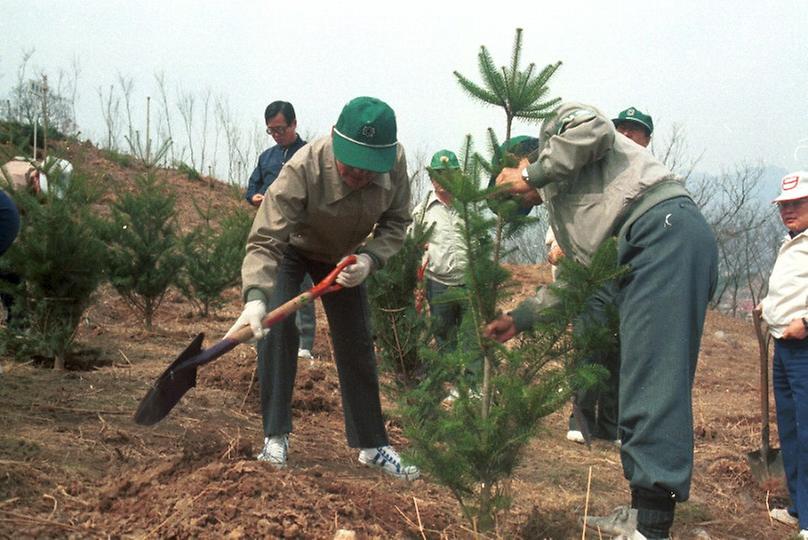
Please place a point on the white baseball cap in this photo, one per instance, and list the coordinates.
(793, 186)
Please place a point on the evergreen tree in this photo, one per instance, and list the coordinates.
(56, 259)
(213, 256)
(474, 444)
(400, 327)
(518, 92)
(143, 256)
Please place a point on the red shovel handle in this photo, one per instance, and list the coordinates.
(325, 286)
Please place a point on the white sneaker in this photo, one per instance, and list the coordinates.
(575, 436)
(275, 450)
(388, 460)
(622, 521)
(305, 354)
(803, 534)
(782, 515)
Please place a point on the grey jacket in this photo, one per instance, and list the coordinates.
(593, 181)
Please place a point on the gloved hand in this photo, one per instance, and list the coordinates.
(354, 274)
(254, 311)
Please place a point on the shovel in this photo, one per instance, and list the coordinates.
(766, 463)
(180, 376)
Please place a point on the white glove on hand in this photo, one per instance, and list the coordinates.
(253, 313)
(354, 274)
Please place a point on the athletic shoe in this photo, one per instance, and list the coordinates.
(575, 436)
(622, 521)
(389, 461)
(275, 450)
(783, 516)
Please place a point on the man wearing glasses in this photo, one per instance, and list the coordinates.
(282, 126)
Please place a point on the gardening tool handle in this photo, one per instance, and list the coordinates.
(764, 382)
(325, 286)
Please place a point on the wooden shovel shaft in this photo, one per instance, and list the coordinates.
(764, 382)
(325, 286)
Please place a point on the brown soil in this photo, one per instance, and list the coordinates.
(73, 464)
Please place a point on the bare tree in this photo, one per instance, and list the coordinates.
(111, 112)
(127, 85)
(186, 105)
(161, 88)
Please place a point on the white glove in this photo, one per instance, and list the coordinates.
(354, 274)
(253, 313)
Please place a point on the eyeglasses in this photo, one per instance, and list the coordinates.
(277, 130)
(784, 205)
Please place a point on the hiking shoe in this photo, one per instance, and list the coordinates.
(305, 354)
(783, 516)
(575, 436)
(389, 461)
(622, 521)
(275, 450)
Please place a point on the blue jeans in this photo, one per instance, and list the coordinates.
(790, 382)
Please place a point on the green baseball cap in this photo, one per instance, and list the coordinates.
(365, 135)
(443, 159)
(633, 114)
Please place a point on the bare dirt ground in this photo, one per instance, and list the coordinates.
(73, 464)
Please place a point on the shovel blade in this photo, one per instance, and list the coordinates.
(169, 388)
(766, 466)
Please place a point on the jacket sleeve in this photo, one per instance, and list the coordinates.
(254, 182)
(281, 211)
(527, 313)
(391, 228)
(575, 137)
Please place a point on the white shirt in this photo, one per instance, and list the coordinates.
(788, 285)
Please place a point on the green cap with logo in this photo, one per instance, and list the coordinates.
(443, 160)
(365, 135)
(633, 114)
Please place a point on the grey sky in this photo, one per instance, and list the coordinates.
(734, 75)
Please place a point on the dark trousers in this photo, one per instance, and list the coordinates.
(446, 316)
(348, 316)
(598, 405)
(306, 319)
(790, 382)
(673, 258)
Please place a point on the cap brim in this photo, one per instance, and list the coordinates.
(791, 197)
(618, 121)
(378, 160)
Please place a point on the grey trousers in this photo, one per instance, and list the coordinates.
(348, 316)
(673, 258)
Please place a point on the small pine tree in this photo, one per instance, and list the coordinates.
(143, 256)
(401, 328)
(473, 445)
(56, 258)
(213, 256)
(518, 92)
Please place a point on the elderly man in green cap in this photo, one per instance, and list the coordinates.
(326, 201)
(636, 125)
(445, 254)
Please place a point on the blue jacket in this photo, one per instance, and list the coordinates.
(269, 166)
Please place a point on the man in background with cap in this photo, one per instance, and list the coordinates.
(785, 309)
(327, 199)
(597, 185)
(281, 122)
(636, 125)
(446, 253)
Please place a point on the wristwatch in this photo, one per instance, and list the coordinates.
(525, 176)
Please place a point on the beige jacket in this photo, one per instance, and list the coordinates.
(446, 251)
(788, 285)
(310, 207)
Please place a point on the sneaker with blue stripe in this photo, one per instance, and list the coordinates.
(388, 460)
